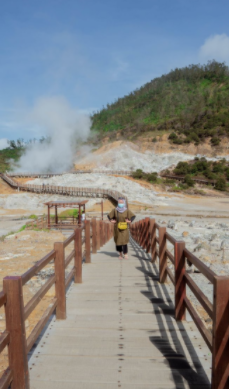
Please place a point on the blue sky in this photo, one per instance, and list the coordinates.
(90, 52)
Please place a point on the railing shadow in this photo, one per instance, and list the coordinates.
(170, 347)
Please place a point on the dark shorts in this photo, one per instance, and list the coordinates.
(122, 249)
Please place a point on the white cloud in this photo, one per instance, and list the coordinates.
(3, 143)
(215, 47)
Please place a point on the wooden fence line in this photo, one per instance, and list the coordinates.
(113, 195)
(46, 175)
(17, 374)
(182, 178)
(150, 236)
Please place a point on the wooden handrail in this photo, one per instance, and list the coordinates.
(39, 266)
(4, 340)
(208, 273)
(2, 298)
(218, 340)
(6, 379)
(38, 296)
(206, 304)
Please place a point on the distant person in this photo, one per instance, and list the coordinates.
(121, 217)
(83, 217)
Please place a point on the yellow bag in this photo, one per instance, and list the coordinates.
(122, 226)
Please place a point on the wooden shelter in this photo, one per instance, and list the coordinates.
(65, 204)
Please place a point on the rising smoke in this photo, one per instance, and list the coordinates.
(66, 128)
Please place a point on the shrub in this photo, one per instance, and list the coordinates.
(187, 140)
(194, 137)
(215, 141)
(154, 140)
(152, 177)
(188, 180)
(221, 184)
(181, 168)
(178, 141)
(138, 174)
(172, 136)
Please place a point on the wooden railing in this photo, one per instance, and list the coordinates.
(113, 195)
(96, 234)
(46, 175)
(155, 239)
(182, 178)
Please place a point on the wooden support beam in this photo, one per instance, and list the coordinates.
(162, 255)
(15, 325)
(94, 240)
(180, 283)
(97, 235)
(88, 241)
(60, 280)
(78, 255)
(220, 352)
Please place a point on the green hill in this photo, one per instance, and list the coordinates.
(191, 103)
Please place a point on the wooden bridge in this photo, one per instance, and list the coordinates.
(112, 195)
(47, 175)
(118, 323)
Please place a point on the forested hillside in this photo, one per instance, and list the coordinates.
(192, 103)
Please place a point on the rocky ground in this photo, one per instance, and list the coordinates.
(147, 197)
(147, 155)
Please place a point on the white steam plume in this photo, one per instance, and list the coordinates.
(55, 118)
(3, 143)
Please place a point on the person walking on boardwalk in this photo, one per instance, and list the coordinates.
(121, 216)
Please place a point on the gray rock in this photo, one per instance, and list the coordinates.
(223, 225)
(202, 246)
(224, 244)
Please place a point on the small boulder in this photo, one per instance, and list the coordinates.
(185, 233)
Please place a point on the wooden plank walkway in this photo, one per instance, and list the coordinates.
(120, 332)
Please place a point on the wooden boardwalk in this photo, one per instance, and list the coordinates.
(120, 332)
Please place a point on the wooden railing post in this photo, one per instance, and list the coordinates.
(147, 234)
(220, 338)
(180, 284)
(60, 280)
(88, 241)
(101, 233)
(107, 231)
(138, 231)
(162, 255)
(78, 256)
(104, 233)
(151, 229)
(15, 325)
(94, 241)
(97, 235)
